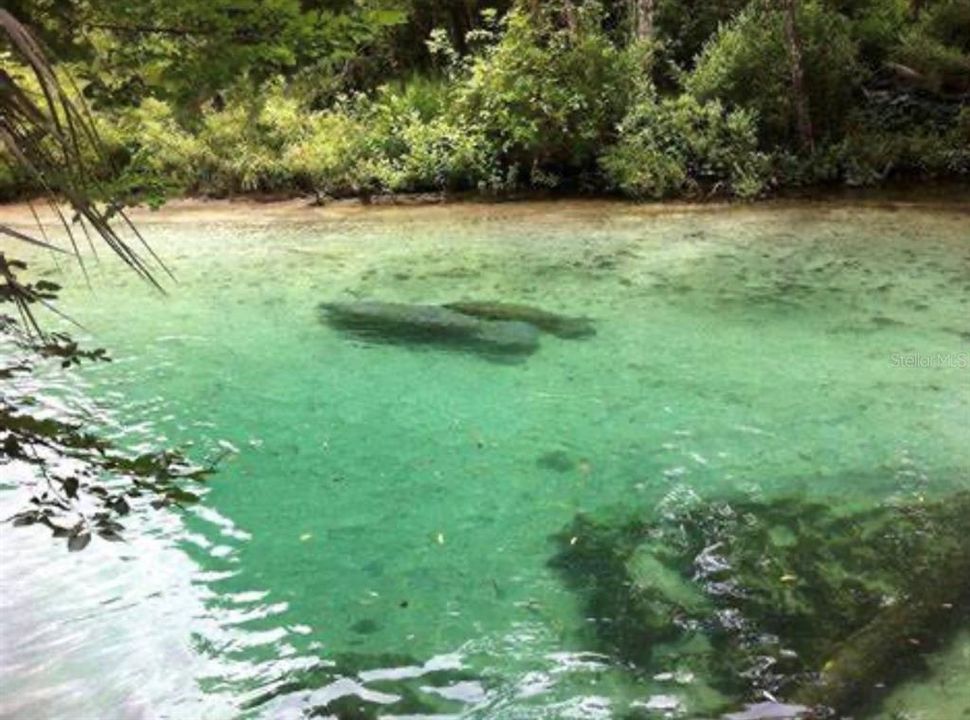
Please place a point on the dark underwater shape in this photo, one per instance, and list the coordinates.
(563, 326)
(431, 324)
(557, 460)
(813, 606)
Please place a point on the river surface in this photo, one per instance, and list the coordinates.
(381, 523)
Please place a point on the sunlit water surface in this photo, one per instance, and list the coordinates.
(384, 528)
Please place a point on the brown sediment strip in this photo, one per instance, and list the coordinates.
(301, 209)
(190, 210)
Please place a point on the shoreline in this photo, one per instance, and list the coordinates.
(950, 197)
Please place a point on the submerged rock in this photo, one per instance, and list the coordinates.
(367, 626)
(432, 324)
(562, 326)
(786, 599)
(558, 460)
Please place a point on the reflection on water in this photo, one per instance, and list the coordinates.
(379, 542)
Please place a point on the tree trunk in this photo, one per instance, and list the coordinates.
(569, 15)
(643, 20)
(533, 6)
(794, 42)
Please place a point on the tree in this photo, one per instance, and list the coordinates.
(799, 99)
(642, 12)
(55, 142)
(752, 62)
(189, 51)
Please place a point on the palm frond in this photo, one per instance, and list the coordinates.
(50, 134)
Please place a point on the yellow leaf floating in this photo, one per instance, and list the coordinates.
(441, 538)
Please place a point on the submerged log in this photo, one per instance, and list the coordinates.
(563, 326)
(431, 324)
(937, 597)
(790, 599)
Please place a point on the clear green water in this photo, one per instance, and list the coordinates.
(389, 500)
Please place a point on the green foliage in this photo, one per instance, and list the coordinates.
(937, 47)
(684, 26)
(332, 158)
(871, 157)
(948, 22)
(875, 26)
(680, 146)
(155, 152)
(442, 155)
(549, 96)
(346, 97)
(190, 51)
(82, 485)
(747, 65)
(12, 181)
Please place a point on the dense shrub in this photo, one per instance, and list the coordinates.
(558, 94)
(937, 48)
(947, 22)
(684, 26)
(12, 182)
(243, 144)
(442, 155)
(681, 146)
(747, 65)
(232, 150)
(875, 26)
(332, 157)
(870, 157)
(548, 96)
(423, 143)
(156, 155)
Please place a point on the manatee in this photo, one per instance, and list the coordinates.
(562, 326)
(431, 324)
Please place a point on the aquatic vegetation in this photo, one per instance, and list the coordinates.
(792, 598)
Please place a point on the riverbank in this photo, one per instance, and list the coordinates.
(950, 196)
